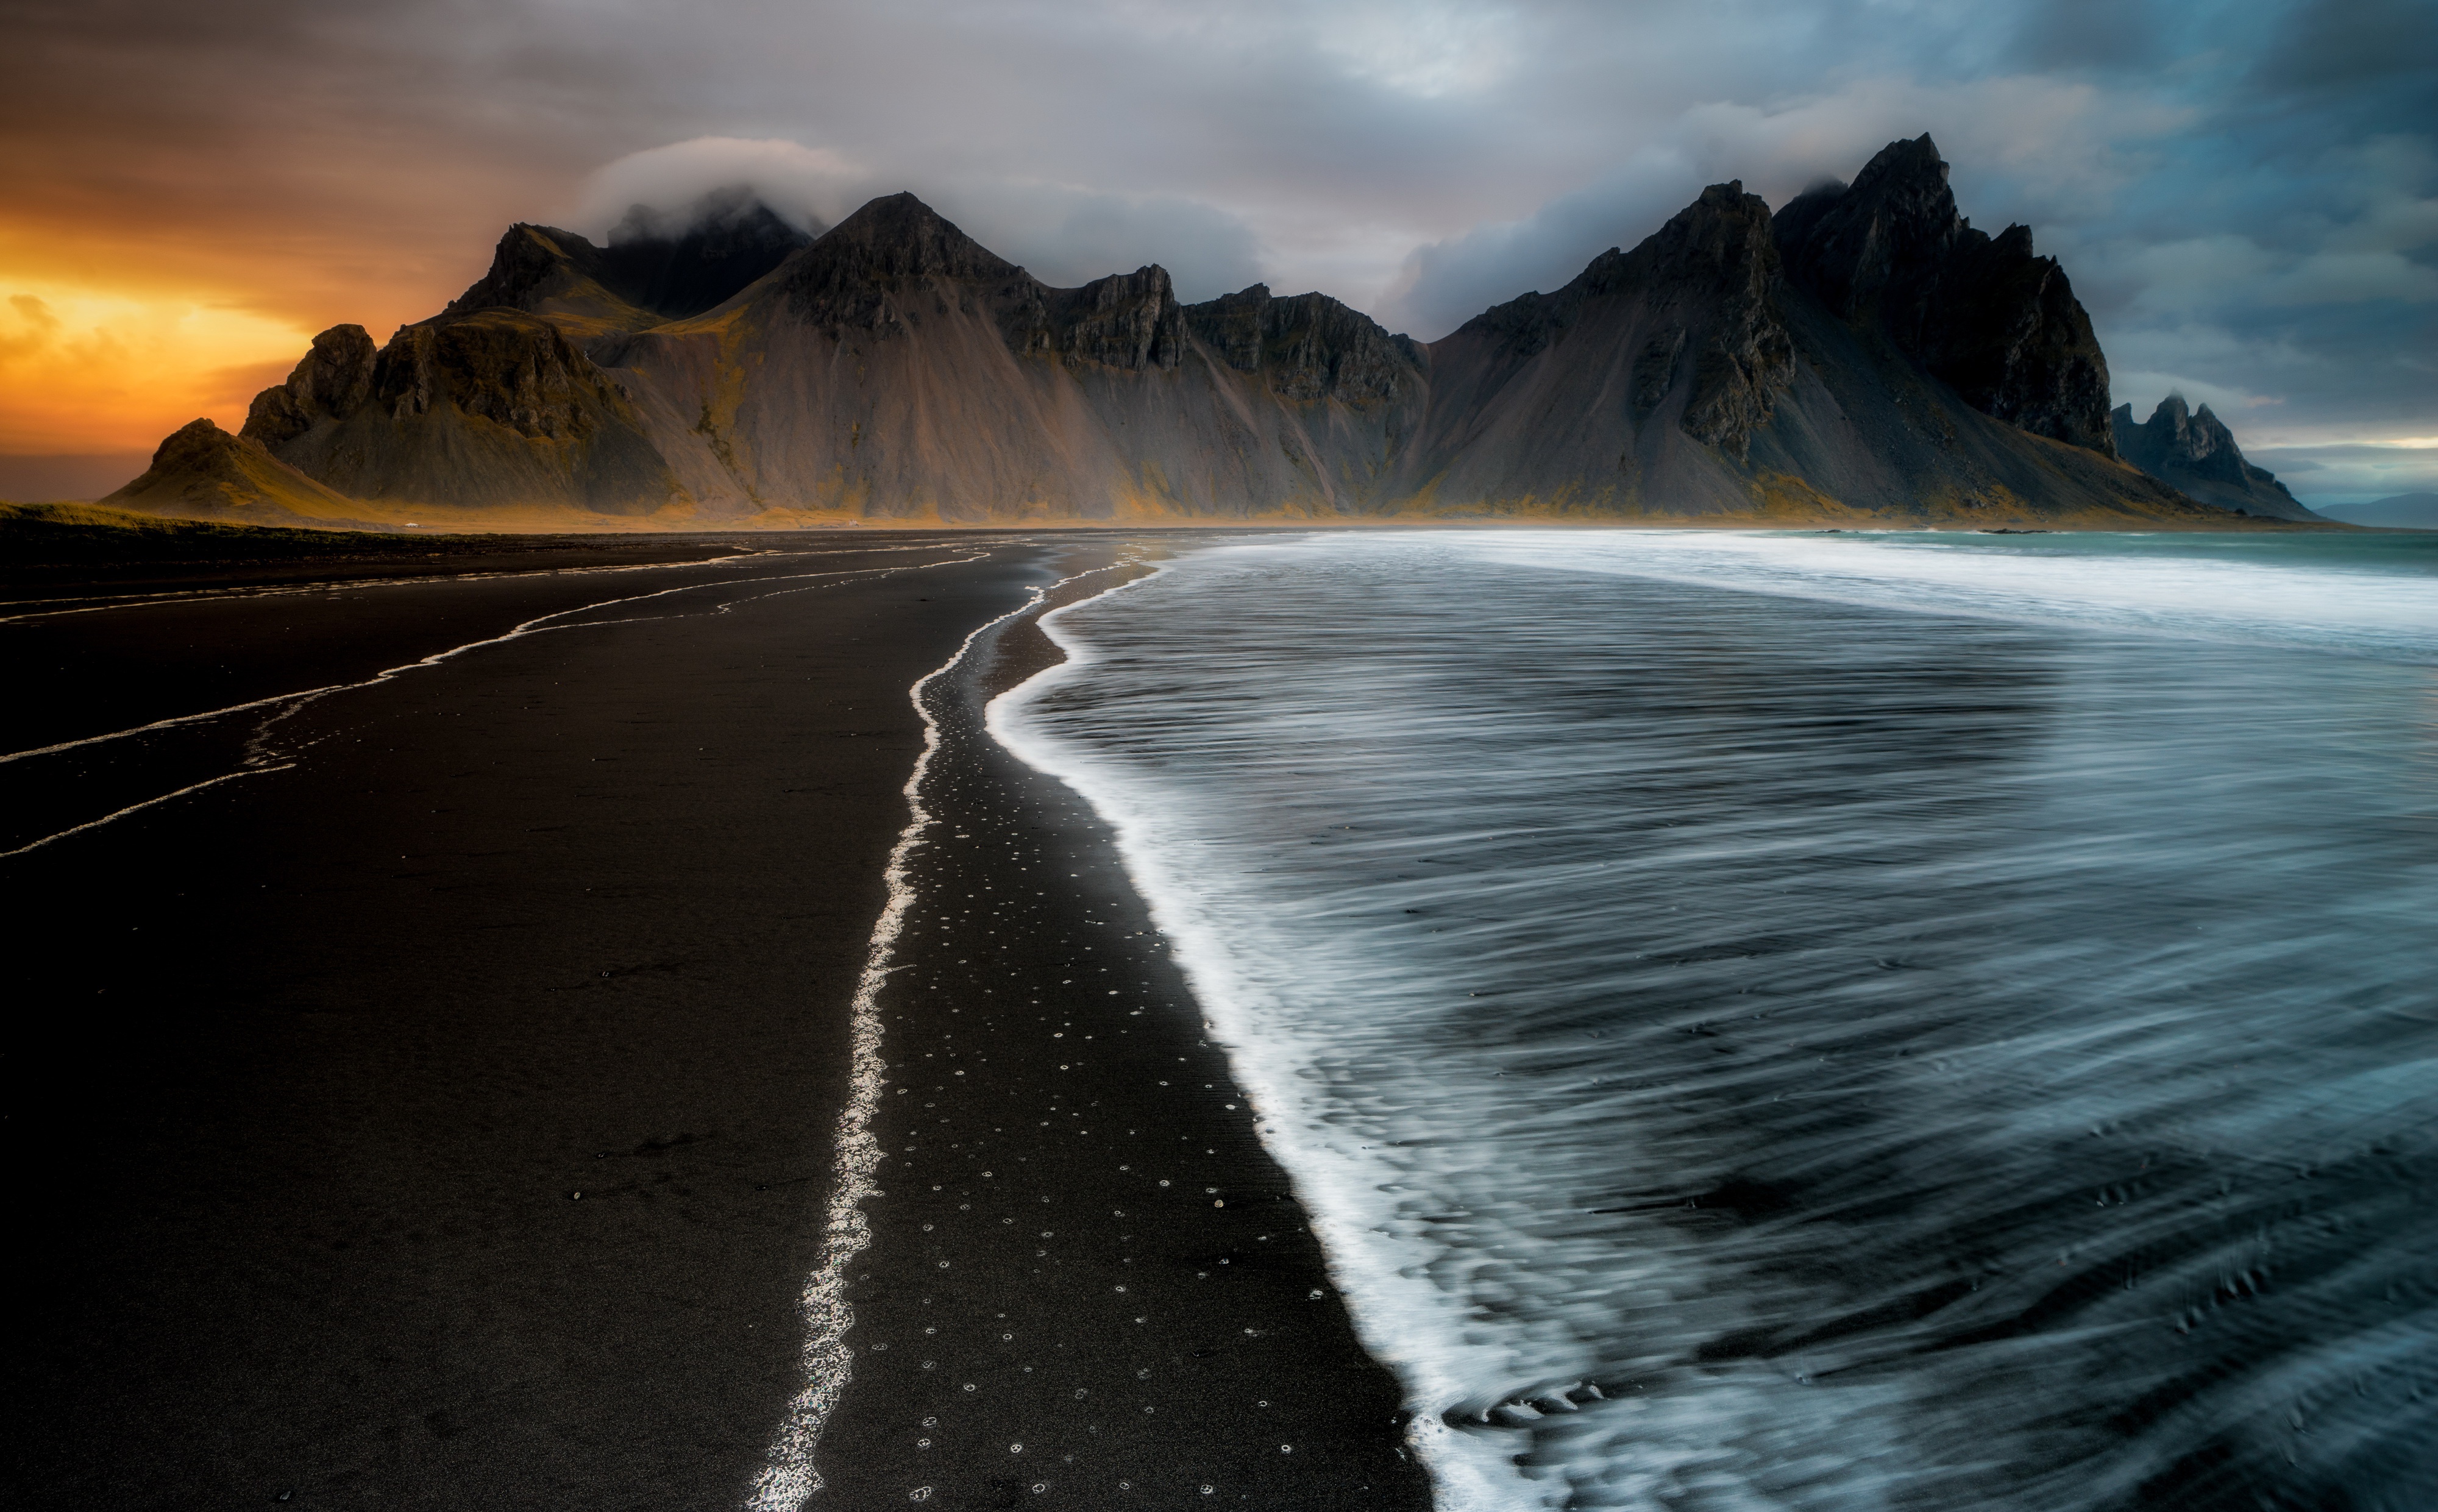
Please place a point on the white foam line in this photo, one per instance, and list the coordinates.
(295, 701)
(132, 808)
(788, 1479)
(533, 626)
(1383, 1289)
(102, 604)
(53, 608)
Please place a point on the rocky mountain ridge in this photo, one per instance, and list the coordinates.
(1862, 355)
(2193, 452)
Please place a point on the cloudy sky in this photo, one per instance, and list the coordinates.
(2244, 195)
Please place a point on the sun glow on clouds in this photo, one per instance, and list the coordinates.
(91, 369)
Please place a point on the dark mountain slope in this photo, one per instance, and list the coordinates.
(2195, 452)
(1692, 376)
(1641, 381)
(898, 368)
(1996, 324)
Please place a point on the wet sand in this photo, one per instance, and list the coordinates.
(54, 561)
(308, 1070)
(1089, 1284)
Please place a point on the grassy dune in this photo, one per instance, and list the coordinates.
(73, 533)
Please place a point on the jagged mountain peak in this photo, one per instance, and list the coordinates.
(1720, 243)
(1984, 314)
(1724, 234)
(1905, 169)
(2194, 450)
(897, 236)
(2179, 413)
(891, 259)
(2190, 436)
(1851, 244)
(529, 264)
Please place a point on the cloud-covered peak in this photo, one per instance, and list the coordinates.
(731, 209)
(665, 191)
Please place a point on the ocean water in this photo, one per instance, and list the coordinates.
(1818, 1020)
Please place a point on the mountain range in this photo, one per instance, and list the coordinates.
(1863, 355)
(2416, 511)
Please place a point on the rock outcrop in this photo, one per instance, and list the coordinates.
(1307, 346)
(1130, 322)
(334, 380)
(1863, 355)
(491, 409)
(2192, 450)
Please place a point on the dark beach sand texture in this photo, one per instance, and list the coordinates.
(306, 1071)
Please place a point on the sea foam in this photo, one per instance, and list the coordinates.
(1769, 1022)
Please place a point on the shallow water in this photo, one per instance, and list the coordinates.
(1815, 1021)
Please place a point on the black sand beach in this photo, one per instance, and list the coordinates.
(308, 1070)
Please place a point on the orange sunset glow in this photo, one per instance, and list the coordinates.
(182, 209)
(108, 345)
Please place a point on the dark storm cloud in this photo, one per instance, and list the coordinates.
(2244, 193)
